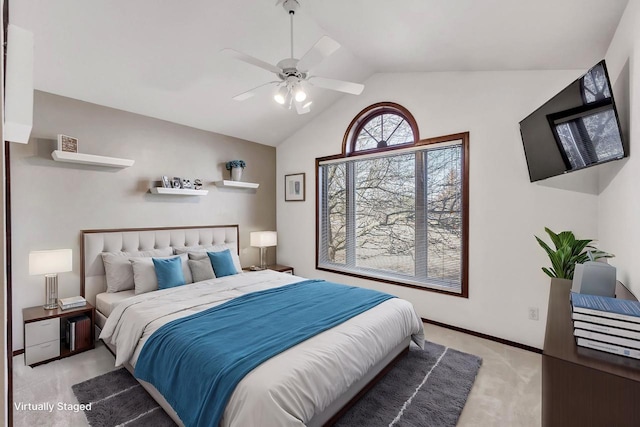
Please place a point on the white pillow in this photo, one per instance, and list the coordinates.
(215, 248)
(144, 273)
(118, 269)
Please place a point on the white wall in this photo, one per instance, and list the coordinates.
(506, 210)
(51, 201)
(619, 201)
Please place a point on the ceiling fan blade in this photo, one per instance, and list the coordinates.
(250, 60)
(303, 107)
(339, 85)
(323, 48)
(250, 93)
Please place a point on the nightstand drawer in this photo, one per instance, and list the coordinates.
(40, 352)
(41, 331)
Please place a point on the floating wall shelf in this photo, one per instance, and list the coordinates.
(236, 184)
(89, 159)
(178, 191)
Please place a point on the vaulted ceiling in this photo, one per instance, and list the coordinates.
(160, 58)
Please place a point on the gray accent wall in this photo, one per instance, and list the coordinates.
(52, 201)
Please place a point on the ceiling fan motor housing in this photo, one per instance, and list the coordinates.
(289, 69)
(291, 6)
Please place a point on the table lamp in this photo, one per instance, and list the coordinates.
(263, 240)
(50, 263)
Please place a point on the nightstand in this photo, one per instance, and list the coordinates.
(44, 333)
(275, 267)
(281, 268)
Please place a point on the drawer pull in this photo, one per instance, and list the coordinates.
(45, 346)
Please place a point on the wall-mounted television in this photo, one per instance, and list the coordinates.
(576, 129)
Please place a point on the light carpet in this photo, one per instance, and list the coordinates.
(425, 388)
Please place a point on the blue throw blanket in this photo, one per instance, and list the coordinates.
(197, 361)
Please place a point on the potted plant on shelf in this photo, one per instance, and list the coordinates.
(569, 252)
(236, 167)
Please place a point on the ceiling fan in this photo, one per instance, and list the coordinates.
(293, 74)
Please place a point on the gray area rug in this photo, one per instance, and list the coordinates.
(425, 388)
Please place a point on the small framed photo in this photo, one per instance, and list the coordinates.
(166, 182)
(67, 143)
(177, 182)
(294, 187)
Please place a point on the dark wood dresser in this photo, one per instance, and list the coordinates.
(582, 386)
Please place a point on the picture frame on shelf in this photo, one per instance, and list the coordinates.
(67, 143)
(186, 183)
(166, 182)
(294, 187)
(177, 182)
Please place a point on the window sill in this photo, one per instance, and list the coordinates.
(456, 292)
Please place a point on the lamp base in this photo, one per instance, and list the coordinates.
(50, 292)
(263, 258)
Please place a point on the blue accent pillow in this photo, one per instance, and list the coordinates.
(222, 263)
(168, 272)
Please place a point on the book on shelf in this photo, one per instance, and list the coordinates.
(71, 302)
(604, 329)
(72, 333)
(610, 339)
(78, 332)
(609, 348)
(612, 308)
(605, 321)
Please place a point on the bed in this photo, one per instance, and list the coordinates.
(308, 384)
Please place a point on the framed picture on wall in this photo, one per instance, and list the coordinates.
(67, 143)
(294, 187)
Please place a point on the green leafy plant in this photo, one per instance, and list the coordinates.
(569, 252)
(235, 164)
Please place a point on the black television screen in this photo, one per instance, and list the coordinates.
(577, 128)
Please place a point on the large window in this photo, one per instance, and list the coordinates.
(393, 207)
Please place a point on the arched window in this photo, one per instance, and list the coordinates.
(380, 126)
(393, 207)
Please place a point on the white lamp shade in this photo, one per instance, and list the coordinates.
(263, 239)
(49, 262)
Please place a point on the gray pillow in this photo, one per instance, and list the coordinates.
(118, 270)
(198, 252)
(144, 273)
(201, 269)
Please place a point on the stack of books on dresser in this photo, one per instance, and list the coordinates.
(71, 302)
(78, 332)
(606, 324)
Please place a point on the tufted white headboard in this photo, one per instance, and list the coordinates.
(94, 242)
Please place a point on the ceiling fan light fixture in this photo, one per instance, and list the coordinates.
(300, 94)
(281, 95)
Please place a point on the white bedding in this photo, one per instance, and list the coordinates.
(290, 388)
(107, 301)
